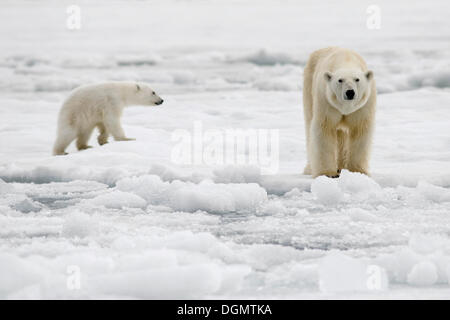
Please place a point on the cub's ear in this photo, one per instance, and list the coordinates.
(138, 87)
(369, 75)
(328, 75)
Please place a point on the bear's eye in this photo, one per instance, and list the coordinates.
(153, 92)
(357, 79)
(340, 80)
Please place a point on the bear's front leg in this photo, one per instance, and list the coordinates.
(359, 148)
(103, 136)
(102, 139)
(113, 126)
(342, 149)
(323, 150)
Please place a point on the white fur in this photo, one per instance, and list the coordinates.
(338, 130)
(100, 105)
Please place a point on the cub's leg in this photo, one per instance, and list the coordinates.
(342, 149)
(83, 137)
(359, 148)
(64, 138)
(323, 149)
(103, 136)
(113, 126)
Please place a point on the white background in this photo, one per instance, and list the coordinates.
(139, 226)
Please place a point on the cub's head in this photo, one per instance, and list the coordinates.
(146, 96)
(348, 90)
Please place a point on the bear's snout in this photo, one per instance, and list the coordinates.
(159, 102)
(349, 94)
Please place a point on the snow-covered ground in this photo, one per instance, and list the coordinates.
(129, 221)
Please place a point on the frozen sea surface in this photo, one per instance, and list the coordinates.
(128, 222)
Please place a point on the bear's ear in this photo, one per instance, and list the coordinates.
(138, 87)
(327, 75)
(369, 75)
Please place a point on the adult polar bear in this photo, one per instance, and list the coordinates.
(99, 105)
(339, 100)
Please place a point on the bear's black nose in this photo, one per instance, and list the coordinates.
(349, 94)
(159, 102)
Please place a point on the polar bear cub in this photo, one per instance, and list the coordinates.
(99, 105)
(339, 100)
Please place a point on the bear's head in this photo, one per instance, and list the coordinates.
(146, 96)
(348, 90)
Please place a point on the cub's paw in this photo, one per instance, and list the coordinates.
(124, 139)
(84, 147)
(101, 140)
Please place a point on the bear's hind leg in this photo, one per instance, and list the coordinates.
(103, 136)
(64, 138)
(83, 138)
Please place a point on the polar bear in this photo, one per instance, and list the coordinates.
(339, 100)
(101, 106)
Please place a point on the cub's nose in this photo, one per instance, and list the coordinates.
(349, 94)
(160, 102)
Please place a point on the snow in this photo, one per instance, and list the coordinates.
(27, 205)
(357, 183)
(134, 223)
(4, 187)
(326, 190)
(340, 273)
(217, 198)
(78, 224)
(423, 274)
(118, 199)
(190, 197)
